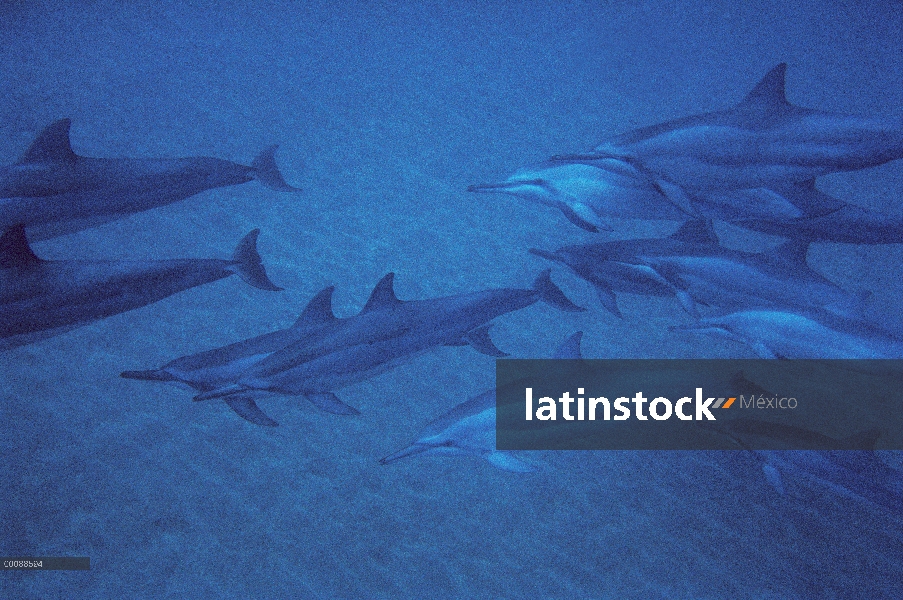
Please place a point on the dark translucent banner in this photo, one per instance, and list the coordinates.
(699, 404)
(45, 563)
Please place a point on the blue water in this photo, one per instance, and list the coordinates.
(385, 113)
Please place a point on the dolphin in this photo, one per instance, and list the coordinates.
(41, 298)
(848, 466)
(469, 428)
(588, 194)
(797, 334)
(692, 266)
(386, 333)
(54, 191)
(849, 224)
(592, 193)
(212, 369)
(762, 142)
(857, 474)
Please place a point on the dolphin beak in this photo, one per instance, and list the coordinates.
(490, 188)
(411, 450)
(154, 375)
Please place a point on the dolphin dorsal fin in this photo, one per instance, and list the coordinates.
(51, 145)
(769, 92)
(319, 310)
(14, 249)
(383, 294)
(570, 349)
(697, 231)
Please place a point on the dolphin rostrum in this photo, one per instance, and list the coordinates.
(469, 428)
(54, 191)
(386, 333)
(41, 298)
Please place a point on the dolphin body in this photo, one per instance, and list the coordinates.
(588, 194)
(858, 474)
(779, 334)
(851, 467)
(54, 191)
(469, 428)
(693, 266)
(764, 142)
(42, 298)
(212, 369)
(849, 224)
(386, 333)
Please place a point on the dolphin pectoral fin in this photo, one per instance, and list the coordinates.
(676, 196)
(329, 402)
(687, 302)
(552, 294)
(773, 476)
(267, 173)
(249, 266)
(575, 218)
(152, 375)
(222, 392)
(245, 407)
(608, 300)
(764, 351)
(481, 342)
(506, 462)
(411, 450)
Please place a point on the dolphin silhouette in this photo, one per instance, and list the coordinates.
(386, 333)
(41, 298)
(692, 266)
(54, 191)
(212, 369)
(469, 428)
(762, 142)
(801, 334)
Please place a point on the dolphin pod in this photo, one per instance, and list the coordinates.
(41, 298)
(754, 165)
(692, 266)
(54, 191)
(323, 353)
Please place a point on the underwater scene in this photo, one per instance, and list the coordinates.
(258, 260)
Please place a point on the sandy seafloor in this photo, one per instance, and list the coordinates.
(385, 113)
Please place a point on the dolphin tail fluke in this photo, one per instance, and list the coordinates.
(507, 462)
(329, 402)
(552, 294)
(411, 450)
(248, 264)
(152, 375)
(267, 173)
(245, 407)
